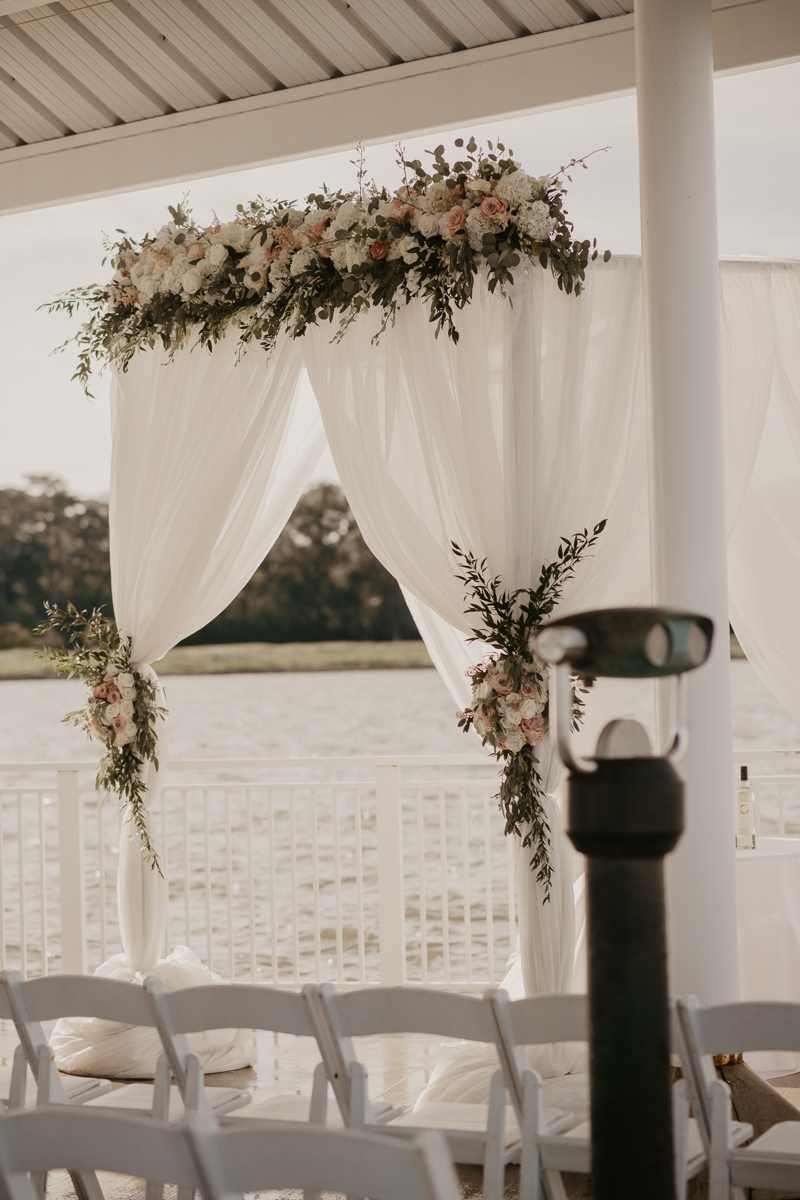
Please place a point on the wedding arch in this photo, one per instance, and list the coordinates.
(527, 422)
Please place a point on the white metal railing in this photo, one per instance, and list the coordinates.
(356, 870)
(775, 780)
(391, 870)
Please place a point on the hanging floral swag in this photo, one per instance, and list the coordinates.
(510, 708)
(279, 267)
(120, 711)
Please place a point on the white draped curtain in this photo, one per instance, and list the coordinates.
(210, 455)
(531, 428)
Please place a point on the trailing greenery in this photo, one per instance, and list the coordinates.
(510, 706)
(121, 710)
(279, 267)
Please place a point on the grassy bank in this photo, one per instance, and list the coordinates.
(253, 656)
(264, 656)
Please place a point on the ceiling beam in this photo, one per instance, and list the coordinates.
(532, 74)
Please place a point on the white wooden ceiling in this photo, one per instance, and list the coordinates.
(78, 65)
(105, 96)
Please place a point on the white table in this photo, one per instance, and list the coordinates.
(768, 904)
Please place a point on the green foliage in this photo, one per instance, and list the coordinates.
(508, 622)
(124, 317)
(53, 546)
(320, 581)
(93, 649)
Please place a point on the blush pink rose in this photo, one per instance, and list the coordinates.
(528, 690)
(113, 696)
(379, 249)
(534, 737)
(497, 680)
(528, 724)
(455, 221)
(92, 719)
(318, 229)
(119, 724)
(100, 691)
(493, 209)
(325, 251)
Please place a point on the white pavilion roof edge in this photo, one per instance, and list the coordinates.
(559, 68)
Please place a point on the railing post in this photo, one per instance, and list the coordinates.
(391, 904)
(71, 878)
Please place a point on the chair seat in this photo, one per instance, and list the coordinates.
(472, 1118)
(297, 1108)
(572, 1151)
(138, 1098)
(79, 1088)
(780, 1140)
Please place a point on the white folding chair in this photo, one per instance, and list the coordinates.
(245, 1159)
(83, 1141)
(476, 1133)
(772, 1160)
(539, 1020)
(245, 1006)
(14, 1092)
(35, 1000)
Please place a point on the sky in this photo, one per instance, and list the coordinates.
(48, 425)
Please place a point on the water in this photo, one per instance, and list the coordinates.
(292, 928)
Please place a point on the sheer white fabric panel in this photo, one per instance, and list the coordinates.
(210, 455)
(530, 429)
(764, 547)
(207, 465)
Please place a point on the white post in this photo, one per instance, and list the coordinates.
(391, 905)
(71, 880)
(680, 261)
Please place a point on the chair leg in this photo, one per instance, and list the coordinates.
(494, 1154)
(86, 1185)
(553, 1185)
(680, 1134)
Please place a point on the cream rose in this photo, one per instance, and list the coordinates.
(111, 712)
(514, 741)
(428, 224)
(529, 709)
(125, 679)
(126, 708)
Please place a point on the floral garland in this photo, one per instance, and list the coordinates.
(120, 710)
(277, 267)
(510, 704)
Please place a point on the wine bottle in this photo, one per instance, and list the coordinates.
(745, 814)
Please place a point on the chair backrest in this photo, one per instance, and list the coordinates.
(349, 1161)
(32, 1001)
(80, 1139)
(338, 1017)
(729, 1029)
(221, 1006)
(536, 1020)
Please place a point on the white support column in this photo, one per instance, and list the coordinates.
(680, 259)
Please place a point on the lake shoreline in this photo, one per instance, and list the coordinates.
(237, 658)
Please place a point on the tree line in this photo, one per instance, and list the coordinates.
(320, 581)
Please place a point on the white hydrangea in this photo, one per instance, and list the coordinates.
(535, 220)
(514, 188)
(302, 260)
(405, 247)
(339, 255)
(477, 226)
(234, 234)
(355, 253)
(217, 254)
